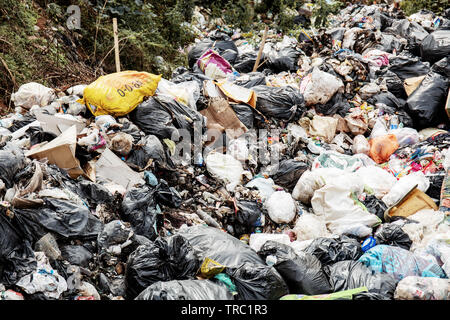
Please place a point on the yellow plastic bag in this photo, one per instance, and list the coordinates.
(117, 94)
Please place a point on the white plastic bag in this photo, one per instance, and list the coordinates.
(309, 226)
(186, 92)
(33, 93)
(319, 87)
(341, 214)
(257, 240)
(422, 288)
(44, 279)
(360, 145)
(406, 136)
(264, 186)
(238, 149)
(404, 185)
(281, 207)
(224, 167)
(311, 181)
(378, 180)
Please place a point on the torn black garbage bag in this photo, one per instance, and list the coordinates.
(375, 206)
(77, 255)
(244, 113)
(163, 115)
(248, 216)
(11, 161)
(332, 250)
(284, 103)
(408, 67)
(139, 207)
(435, 46)
(288, 173)
(167, 195)
(185, 290)
(219, 246)
(62, 217)
(258, 282)
(300, 270)
(165, 259)
(426, 103)
(392, 234)
(148, 148)
(348, 274)
(16, 254)
(442, 67)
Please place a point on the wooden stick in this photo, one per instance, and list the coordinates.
(261, 47)
(10, 73)
(116, 44)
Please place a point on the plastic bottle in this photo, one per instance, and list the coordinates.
(394, 122)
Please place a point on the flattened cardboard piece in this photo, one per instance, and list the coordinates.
(219, 113)
(58, 125)
(237, 93)
(111, 168)
(411, 84)
(60, 151)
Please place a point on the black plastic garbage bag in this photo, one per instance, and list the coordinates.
(62, 217)
(244, 113)
(389, 43)
(288, 173)
(375, 206)
(408, 67)
(442, 67)
(393, 235)
(254, 79)
(185, 290)
(284, 103)
(148, 148)
(181, 74)
(38, 135)
(77, 255)
(346, 275)
(16, 254)
(410, 30)
(172, 258)
(332, 250)
(162, 116)
(11, 161)
(435, 46)
(220, 246)
(434, 191)
(95, 193)
(282, 60)
(248, 216)
(17, 124)
(114, 233)
(245, 62)
(140, 208)
(167, 195)
(403, 116)
(388, 99)
(258, 282)
(220, 43)
(426, 103)
(395, 85)
(336, 105)
(302, 271)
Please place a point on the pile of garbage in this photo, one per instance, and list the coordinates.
(316, 168)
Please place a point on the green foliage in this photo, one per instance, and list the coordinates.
(323, 9)
(239, 14)
(413, 6)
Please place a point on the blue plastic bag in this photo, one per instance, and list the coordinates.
(399, 262)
